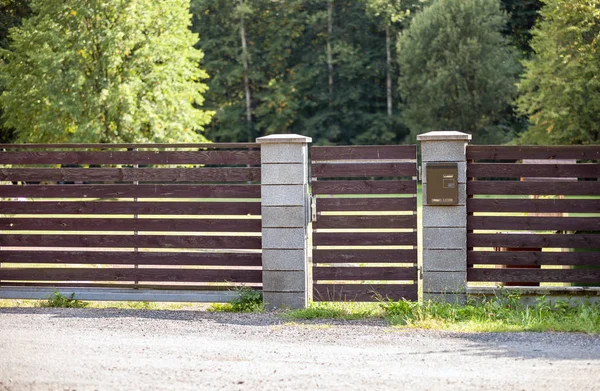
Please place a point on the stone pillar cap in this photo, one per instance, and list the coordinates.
(446, 135)
(284, 139)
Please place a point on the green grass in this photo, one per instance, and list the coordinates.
(502, 313)
(249, 300)
(336, 310)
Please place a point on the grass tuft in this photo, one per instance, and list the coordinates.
(249, 300)
(58, 300)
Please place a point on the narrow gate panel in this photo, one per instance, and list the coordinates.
(365, 225)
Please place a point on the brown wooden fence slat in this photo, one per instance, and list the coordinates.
(364, 187)
(131, 146)
(534, 275)
(533, 258)
(533, 188)
(171, 175)
(363, 292)
(356, 170)
(132, 157)
(364, 273)
(112, 224)
(365, 239)
(327, 221)
(533, 223)
(130, 241)
(131, 191)
(364, 256)
(534, 240)
(533, 205)
(367, 204)
(506, 170)
(160, 285)
(387, 152)
(130, 274)
(131, 258)
(480, 152)
(130, 208)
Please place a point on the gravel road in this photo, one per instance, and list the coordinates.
(104, 349)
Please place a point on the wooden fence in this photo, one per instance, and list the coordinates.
(130, 216)
(533, 223)
(365, 223)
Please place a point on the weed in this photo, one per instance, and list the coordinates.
(248, 300)
(58, 300)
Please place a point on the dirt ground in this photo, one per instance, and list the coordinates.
(105, 349)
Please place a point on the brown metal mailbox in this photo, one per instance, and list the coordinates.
(442, 183)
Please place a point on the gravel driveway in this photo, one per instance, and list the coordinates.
(102, 349)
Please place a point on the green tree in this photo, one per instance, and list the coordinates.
(12, 13)
(461, 71)
(523, 15)
(561, 86)
(104, 71)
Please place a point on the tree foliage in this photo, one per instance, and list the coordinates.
(561, 86)
(523, 15)
(461, 71)
(289, 69)
(104, 71)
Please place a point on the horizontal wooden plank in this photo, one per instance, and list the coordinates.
(132, 258)
(533, 258)
(364, 256)
(132, 157)
(365, 239)
(131, 146)
(327, 221)
(506, 170)
(533, 205)
(130, 274)
(172, 175)
(533, 188)
(131, 191)
(534, 223)
(130, 207)
(374, 152)
(534, 275)
(130, 241)
(357, 170)
(199, 286)
(367, 204)
(131, 224)
(534, 240)
(495, 152)
(364, 273)
(364, 187)
(364, 292)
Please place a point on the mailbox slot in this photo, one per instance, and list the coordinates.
(442, 183)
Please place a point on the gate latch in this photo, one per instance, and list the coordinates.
(313, 209)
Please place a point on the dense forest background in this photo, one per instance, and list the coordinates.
(374, 71)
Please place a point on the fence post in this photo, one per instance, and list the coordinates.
(285, 217)
(445, 226)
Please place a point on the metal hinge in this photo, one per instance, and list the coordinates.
(313, 209)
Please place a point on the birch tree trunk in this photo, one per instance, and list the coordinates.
(246, 82)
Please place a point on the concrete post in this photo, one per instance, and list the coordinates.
(285, 217)
(445, 227)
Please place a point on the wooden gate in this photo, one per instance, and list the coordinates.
(364, 223)
(110, 221)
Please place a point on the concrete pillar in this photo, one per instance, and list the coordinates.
(445, 227)
(285, 217)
